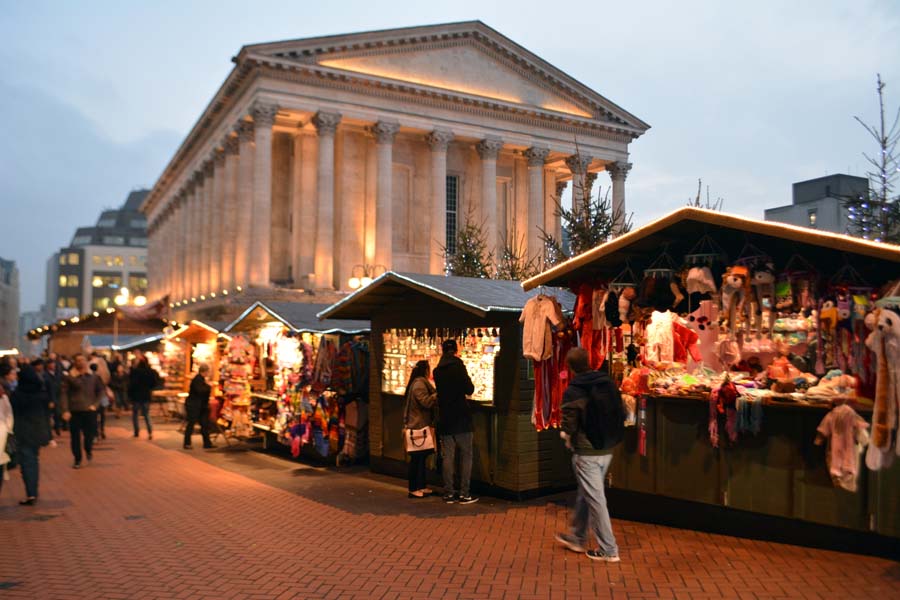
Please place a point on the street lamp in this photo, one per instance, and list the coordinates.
(362, 275)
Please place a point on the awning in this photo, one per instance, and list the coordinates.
(680, 230)
(297, 316)
(469, 294)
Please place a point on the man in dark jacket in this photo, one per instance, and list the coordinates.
(454, 422)
(592, 425)
(196, 408)
(80, 396)
(141, 382)
(29, 404)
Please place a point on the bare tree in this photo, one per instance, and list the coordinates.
(513, 263)
(709, 204)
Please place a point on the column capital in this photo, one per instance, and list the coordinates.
(536, 156)
(561, 187)
(439, 139)
(326, 122)
(384, 131)
(244, 130)
(618, 170)
(231, 144)
(489, 147)
(198, 177)
(263, 113)
(578, 163)
(589, 180)
(218, 157)
(188, 189)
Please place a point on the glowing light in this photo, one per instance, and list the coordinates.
(120, 300)
(95, 313)
(224, 292)
(202, 297)
(365, 281)
(354, 283)
(140, 300)
(239, 288)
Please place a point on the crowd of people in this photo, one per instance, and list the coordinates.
(42, 397)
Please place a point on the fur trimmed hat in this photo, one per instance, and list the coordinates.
(700, 280)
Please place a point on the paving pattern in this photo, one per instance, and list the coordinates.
(146, 520)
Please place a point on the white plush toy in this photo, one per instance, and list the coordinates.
(884, 341)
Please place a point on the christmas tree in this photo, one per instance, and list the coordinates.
(470, 257)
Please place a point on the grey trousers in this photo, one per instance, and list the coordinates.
(590, 511)
(449, 444)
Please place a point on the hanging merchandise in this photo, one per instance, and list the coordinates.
(884, 341)
(551, 373)
(847, 435)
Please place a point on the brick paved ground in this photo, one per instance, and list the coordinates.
(148, 521)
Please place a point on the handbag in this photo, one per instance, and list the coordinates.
(419, 439)
(11, 451)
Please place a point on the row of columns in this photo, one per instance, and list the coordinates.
(216, 234)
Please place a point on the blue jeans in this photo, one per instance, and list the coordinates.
(144, 409)
(590, 503)
(449, 444)
(28, 462)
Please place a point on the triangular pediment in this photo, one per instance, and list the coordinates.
(466, 58)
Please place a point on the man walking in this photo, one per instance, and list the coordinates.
(79, 396)
(593, 423)
(196, 408)
(141, 382)
(454, 422)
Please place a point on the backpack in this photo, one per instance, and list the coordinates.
(604, 416)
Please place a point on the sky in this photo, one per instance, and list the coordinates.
(96, 96)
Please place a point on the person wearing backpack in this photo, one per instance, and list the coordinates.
(593, 423)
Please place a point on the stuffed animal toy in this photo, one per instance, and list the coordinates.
(625, 299)
(763, 282)
(884, 341)
(735, 289)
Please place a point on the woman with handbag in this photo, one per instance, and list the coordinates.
(7, 374)
(418, 426)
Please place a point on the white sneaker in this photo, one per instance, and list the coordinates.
(598, 555)
(569, 542)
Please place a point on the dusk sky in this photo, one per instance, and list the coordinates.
(750, 97)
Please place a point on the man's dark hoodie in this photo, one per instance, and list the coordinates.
(453, 385)
(605, 418)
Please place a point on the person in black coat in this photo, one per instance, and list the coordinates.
(142, 380)
(454, 422)
(30, 404)
(196, 408)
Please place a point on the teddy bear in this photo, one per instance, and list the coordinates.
(884, 341)
(735, 289)
(763, 282)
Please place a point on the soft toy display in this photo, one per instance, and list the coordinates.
(763, 282)
(735, 289)
(625, 299)
(884, 341)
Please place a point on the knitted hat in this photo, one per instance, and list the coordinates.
(700, 280)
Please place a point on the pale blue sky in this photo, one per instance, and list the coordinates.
(96, 96)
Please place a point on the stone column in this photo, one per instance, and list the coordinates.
(488, 149)
(174, 266)
(261, 250)
(384, 193)
(217, 214)
(206, 226)
(577, 164)
(536, 157)
(244, 202)
(298, 214)
(187, 247)
(438, 139)
(197, 233)
(326, 126)
(618, 171)
(229, 210)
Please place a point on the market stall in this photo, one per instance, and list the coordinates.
(67, 336)
(747, 352)
(411, 315)
(295, 380)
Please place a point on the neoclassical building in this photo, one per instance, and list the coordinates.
(321, 158)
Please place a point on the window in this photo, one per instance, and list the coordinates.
(138, 223)
(81, 240)
(452, 212)
(113, 240)
(68, 281)
(63, 259)
(138, 241)
(107, 222)
(73, 258)
(71, 302)
(105, 260)
(60, 302)
(107, 281)
(137, 261)
(137, 283)
(812, 217)
(101, 303)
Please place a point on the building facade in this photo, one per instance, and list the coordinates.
(820, 203)
(102, 259)
(9, 304)
(326, 159)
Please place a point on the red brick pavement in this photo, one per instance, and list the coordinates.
(146, 522)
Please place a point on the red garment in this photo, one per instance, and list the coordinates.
(685, 342)
(595, 342)
(550, 381)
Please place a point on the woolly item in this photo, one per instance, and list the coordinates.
(885, 342)
(763, 282)
(846, 434)
(735, 289)
(625, 299)
(700, 280)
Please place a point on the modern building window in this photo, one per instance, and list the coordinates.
(73, 258)
(137, 283)
(101, 303)
(106, 281)
(113, 240)
(60, 302)
(137, 261)
(812, 217)
(138, 223)
(452, 212)
(67, 303)
(106, 260)
(108, 222)
(138, 241)
(68, 281)
(63, 259)
(81, 240)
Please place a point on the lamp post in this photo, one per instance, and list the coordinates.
(363, 275)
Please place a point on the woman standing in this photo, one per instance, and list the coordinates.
(421, 398)
(7, 374)
(29, 403)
